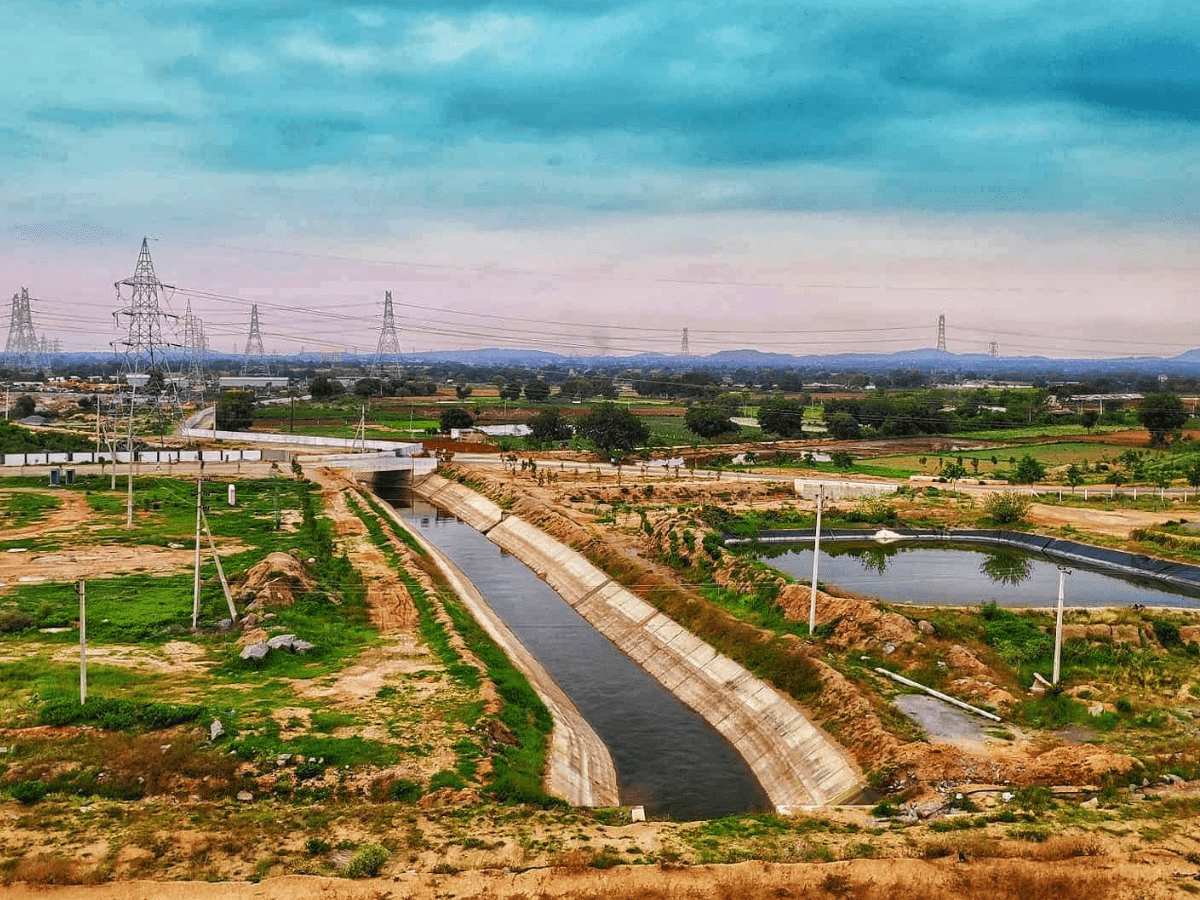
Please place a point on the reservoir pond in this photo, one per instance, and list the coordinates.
(960, 575)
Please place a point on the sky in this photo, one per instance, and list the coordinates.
(585, 176)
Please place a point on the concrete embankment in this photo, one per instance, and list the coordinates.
(796, 763)
(579, 767)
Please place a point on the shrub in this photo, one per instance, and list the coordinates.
(28, 791)
(367, 862)
(12, 621)
(1167, 633)
(1006, 507)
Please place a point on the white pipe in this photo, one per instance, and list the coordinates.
(967, 706)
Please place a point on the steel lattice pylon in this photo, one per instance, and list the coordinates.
(255, 361)
(23, 349)
(144, 346)
(941, 344)
(388, 352)
(194, 346)
(683, 343)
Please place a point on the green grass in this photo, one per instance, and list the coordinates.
(20, 508)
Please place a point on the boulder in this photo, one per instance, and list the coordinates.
(255, 651)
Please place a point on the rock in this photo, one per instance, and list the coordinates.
(249, 621)
(1095, 710)
(302, 647)
(1091, 804)
(3, 749)
(215, 730)
(926, 628)
(637, 814)
(889, 649)
(255, 651)
(245, 796)
(1171, 778)
(1007, 796)
(281, 642)
(175, 545)
(962, 660)
(283, 759)
(225, 624)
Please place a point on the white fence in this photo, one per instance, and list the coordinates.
(122, 456)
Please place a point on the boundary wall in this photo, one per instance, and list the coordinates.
(797, 764)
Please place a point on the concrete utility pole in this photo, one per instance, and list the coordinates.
(196, 568)
(1058, 624)
(81, 589)
(129, 480)
(812, 600)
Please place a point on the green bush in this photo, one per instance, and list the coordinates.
(12, 621)
(1006, 507)
(116, 714)
(367, 862)
(28, 791)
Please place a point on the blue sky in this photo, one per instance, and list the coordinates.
(790, 168)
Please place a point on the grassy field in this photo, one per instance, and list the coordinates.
(1059, 453)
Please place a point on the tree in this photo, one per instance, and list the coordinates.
(368, 387)
(455, 417)
(23, 407)
(156, 383)
(782, 417)
(1193, 474)
(1074, 476)
(842, 459)
(323, 387)
(511, 391)
(843, 426)
(537, 391)
(462, 391)
(1088, 419)
(1028, 470)
(549, 425)
(1161, 415)
(235, 410)
(709, 422)
(611, 427)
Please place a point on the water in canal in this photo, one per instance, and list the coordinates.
(667, 757)
(950, 575)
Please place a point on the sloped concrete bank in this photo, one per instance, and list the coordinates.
(579, 767)
(795, 762)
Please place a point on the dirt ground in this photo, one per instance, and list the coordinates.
(1130, 857)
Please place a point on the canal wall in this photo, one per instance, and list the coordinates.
(579, 767)
(796, 763)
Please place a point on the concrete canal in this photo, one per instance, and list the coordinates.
(667, 757)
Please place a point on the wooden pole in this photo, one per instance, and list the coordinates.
(220, 570)
(129, 480)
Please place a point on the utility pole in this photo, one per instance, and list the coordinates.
(812, 600)
(196, 570)
(97, 425)
(81, 589)
(129, 480)
(1058, 624)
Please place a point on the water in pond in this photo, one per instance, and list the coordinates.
(667, 757)
(949, 575)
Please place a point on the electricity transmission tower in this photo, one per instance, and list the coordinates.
(255, 361)
(683, 343)
(194, 346)
(994, 349)
(941, 344)
(144, 345)
(22, 350)
(388, 352)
